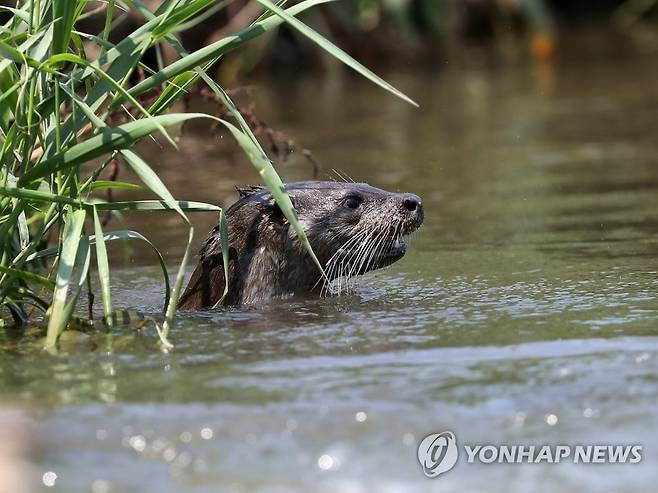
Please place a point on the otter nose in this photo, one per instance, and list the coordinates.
(411, 202)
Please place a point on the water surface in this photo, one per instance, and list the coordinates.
(525, 311)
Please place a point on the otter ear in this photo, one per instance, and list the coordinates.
(275, 212)
(249, 190)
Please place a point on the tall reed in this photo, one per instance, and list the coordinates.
(61, 109)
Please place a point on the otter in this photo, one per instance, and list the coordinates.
(353, 228)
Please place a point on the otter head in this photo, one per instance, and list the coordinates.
(353, 228)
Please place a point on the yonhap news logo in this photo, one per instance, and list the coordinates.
(438, 453)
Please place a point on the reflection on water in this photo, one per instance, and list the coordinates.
(525, 311)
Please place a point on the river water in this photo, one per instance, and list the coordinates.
(524, 312)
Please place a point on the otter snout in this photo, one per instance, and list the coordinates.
(412, 202)
(412, 205)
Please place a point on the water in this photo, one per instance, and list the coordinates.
(524, 313)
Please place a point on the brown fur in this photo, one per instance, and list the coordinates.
(266, 259)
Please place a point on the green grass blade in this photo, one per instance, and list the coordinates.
(64, 13)
(19, 208)
(216, 49)
(123, 58)
(84, 107)
(170, 311)
(108, 140)
(56, 59)
(28, 277)
(10, 53)
(180, 15)
(226, 101)
(127, 234)
(103, 269)
(156, 205)
(39, 51)
(10, 83)
(19, 56)
(23, 231)
(15, 55)
(223, 240)
(172, 92)
(263, 164)
(151, 180)
(274, 184)
(67, 260)
(21, 14)
(115, 185)
(81, 268)
(108, 23)
(334, 50)
(37, 196)
(271, 177)
(198, 19)
(112, 236)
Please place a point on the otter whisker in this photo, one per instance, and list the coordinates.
(391, 237)
(383, 243)
(344, 177)
(358, 255)
(334, 267)
(347, 263)
(349, 178)
(364, 253)
(410, 239)
(351, 268)
(343, 248)
(331, 264)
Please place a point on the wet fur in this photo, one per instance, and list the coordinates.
(266, 260)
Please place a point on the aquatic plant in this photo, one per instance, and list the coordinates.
(73, 103)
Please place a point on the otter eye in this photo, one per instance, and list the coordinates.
(352, 202)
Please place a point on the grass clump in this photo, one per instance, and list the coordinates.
(65, 116)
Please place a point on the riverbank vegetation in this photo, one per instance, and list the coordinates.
(72, 106)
